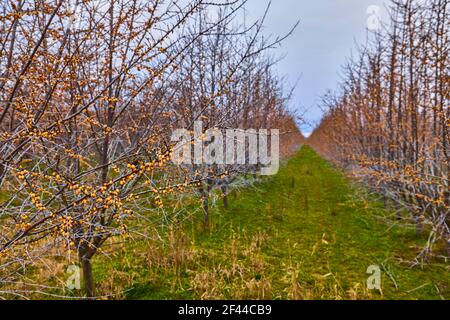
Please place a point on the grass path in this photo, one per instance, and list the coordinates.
(305, 233)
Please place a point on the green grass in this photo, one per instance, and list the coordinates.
(307, 232)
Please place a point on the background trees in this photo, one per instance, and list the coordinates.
(391, 120)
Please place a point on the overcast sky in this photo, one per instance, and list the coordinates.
(315, 53)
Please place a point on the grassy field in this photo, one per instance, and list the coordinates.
(305, 233)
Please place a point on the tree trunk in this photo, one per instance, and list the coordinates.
(2, 173)
(88, 279)
(205, 207)
(225, 196)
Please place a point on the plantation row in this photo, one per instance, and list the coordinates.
(90, 92)
(390, 122)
